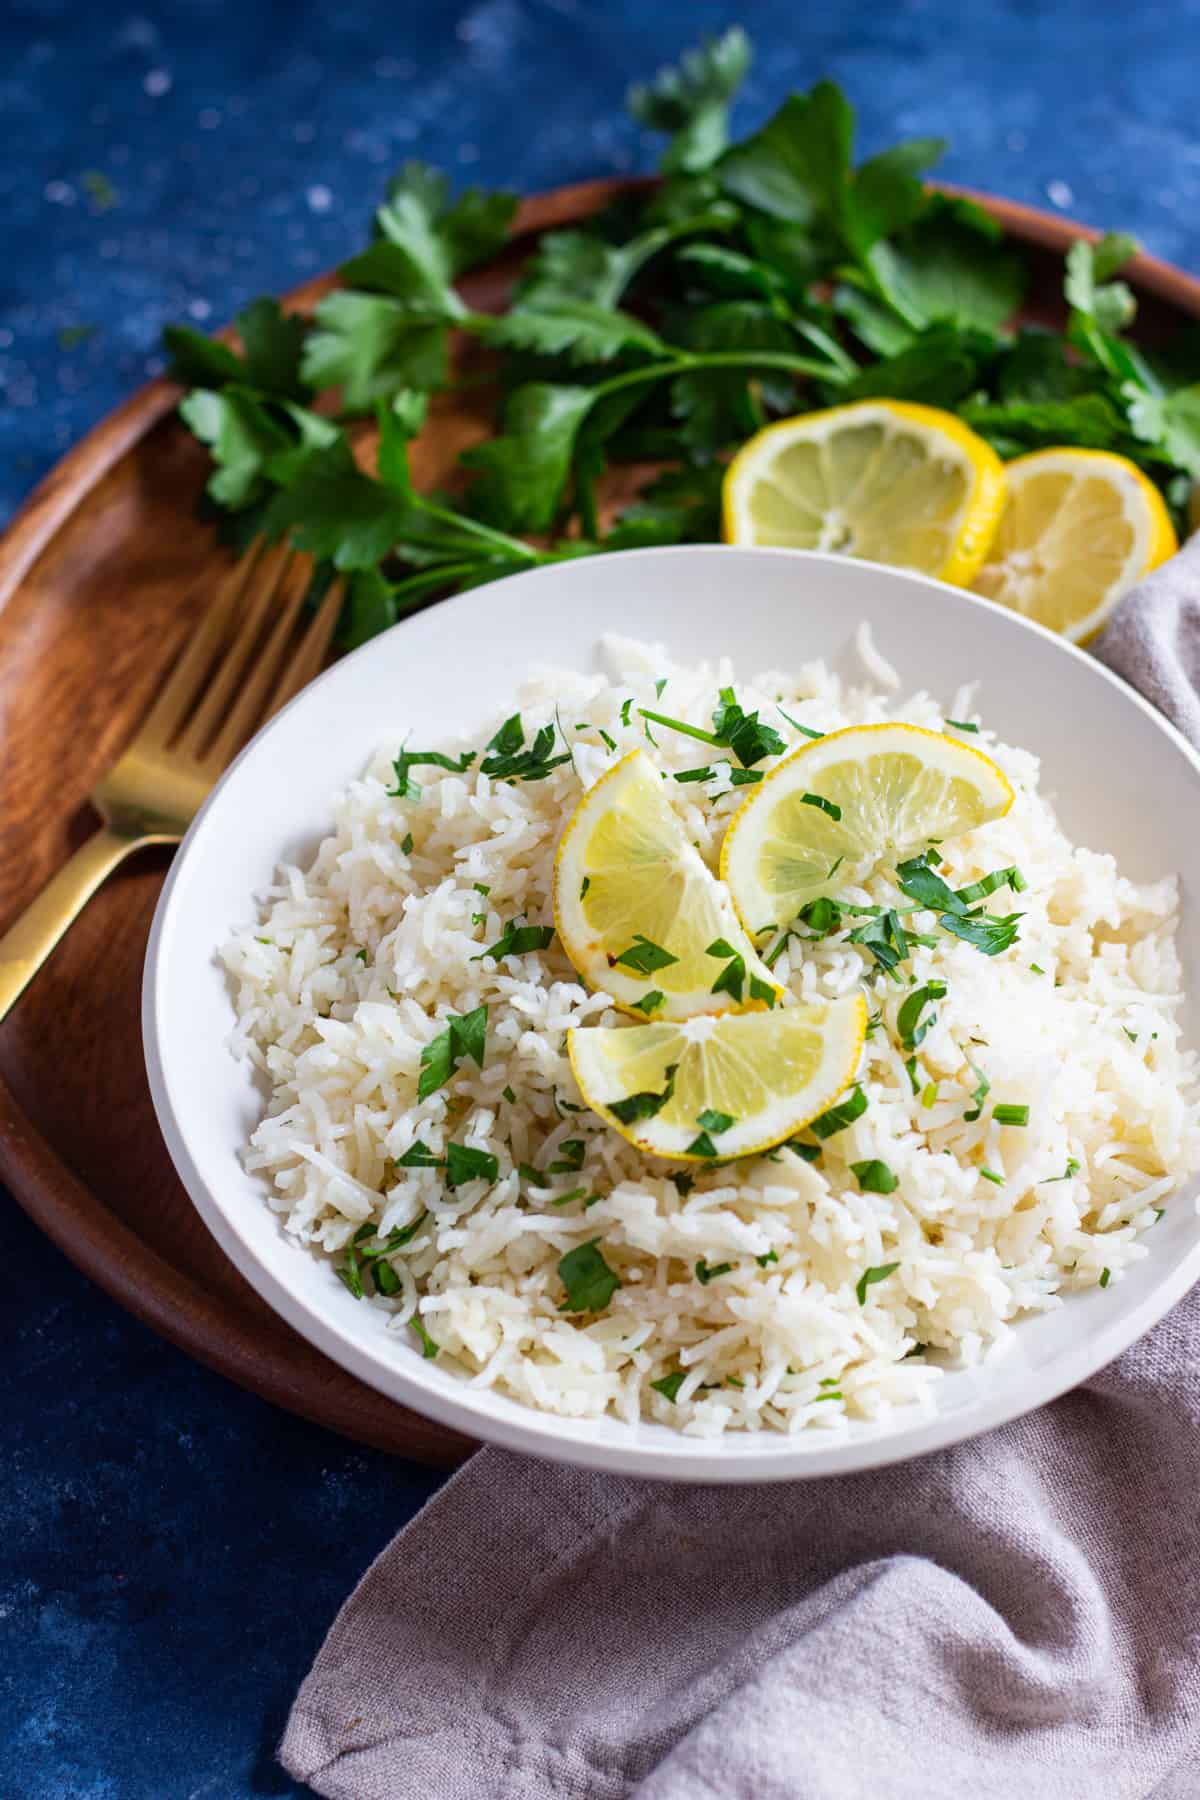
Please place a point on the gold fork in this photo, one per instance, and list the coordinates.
(239, 668)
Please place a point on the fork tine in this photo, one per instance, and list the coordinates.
(310, 653)
(193, 740)
(187, 677)
(248, 708)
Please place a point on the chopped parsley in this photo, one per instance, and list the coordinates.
(962, 725)
(979, 1094)
(507, 1094)
(1105, 1277)
(644, 1105)
(584, 885)
(518, 940)
(465, 1035)
(533, 1176)
(1011, 1115)
(610, 743)
(1037, 968)
(711, 1120)
(670, 1385)
(989, 933)
(706, 1272)
(704, 773)
(884, 937)
(464, 1164)
(684, 1184)
(1072, 1168)
(809, 1153)
(587, 1278)
(407, 843)
(991, 1175)
(733, 728)
(702, 1145)
(830, 807)
(869, 1277)
(625, 706)
(910, 1069)
(420, 1156)
(772, 1256)
(762, 990)
(732, 978)
(570, 1158)
(836, 1119)
(644, 957)
(823, 916)
(508, 760)
(874, 1177)
(650, 1003)
(406, 788)
(428, 1348)
(659, 685)
(912, 1028)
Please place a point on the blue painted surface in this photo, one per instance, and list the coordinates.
(171, 1549)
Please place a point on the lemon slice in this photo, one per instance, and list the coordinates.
(1080, 527)
(830, 814)
(639, 912)
(766, 1073)
(882, 479)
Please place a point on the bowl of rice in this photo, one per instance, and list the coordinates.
(377, 1115)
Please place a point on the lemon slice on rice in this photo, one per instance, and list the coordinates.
(885, 479)
(639, 912)
(1080, 527)
(705, 1088)
(829, 815)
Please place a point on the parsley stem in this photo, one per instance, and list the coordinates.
(472, 528)
(684, 362)
(694, 731)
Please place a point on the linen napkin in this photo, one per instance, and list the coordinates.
(1018, 1616)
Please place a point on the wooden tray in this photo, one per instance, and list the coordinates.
(101, 574)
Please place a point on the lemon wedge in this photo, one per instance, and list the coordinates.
(829, 815)
(1079, 528)
(705, 1088)
(639, 912)
(883, 479)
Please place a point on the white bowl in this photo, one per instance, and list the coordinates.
(1122, 779)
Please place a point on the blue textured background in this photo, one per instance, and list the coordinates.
(171, 1549)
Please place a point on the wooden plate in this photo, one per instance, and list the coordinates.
(101, 574)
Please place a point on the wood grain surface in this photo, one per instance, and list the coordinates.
(101, 575)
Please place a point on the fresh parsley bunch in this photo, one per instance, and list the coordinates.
(756, 279)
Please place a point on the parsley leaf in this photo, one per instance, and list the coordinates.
(706, 1272)
(507, 758)
(836, 1119)
(465, 1035)
(518, 940)
(869, 1277)
(644, 957)
(669, 1385)
(587, 1278)
(643, 1105)
(691, 103)
(874, 1177)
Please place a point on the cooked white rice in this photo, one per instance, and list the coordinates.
(357, 961)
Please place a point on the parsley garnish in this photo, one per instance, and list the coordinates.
(644, 957)
(912, 1028)
(874, 1177)
(724, 254)
(732, 978)
(838, 1117)
(570, 1157)
(508, 760)
(762, 990)
(420, 1156)
(805, 730)
(987, 932)
(428, 1348)
(407, 789)
(822, 916)
(711, 1120)
(869, 1277)
(962, 725)
(981, 1091)
(465, 1035)
(659, 686)
(589, 1281)
(407, 843)
(739, 731)
(518, 940)
(772, 1256)
(464, 1164)
(625, 706)
(830, 807)
(650, 1003)
(991, 1175)
(885, 938)
(644, 1105)
(706, 1272)
(610, 743)
(670, 1385)
(702, 1145)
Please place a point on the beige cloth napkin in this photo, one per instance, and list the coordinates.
(1014, 1619)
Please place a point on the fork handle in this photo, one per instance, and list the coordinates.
(27, 944)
